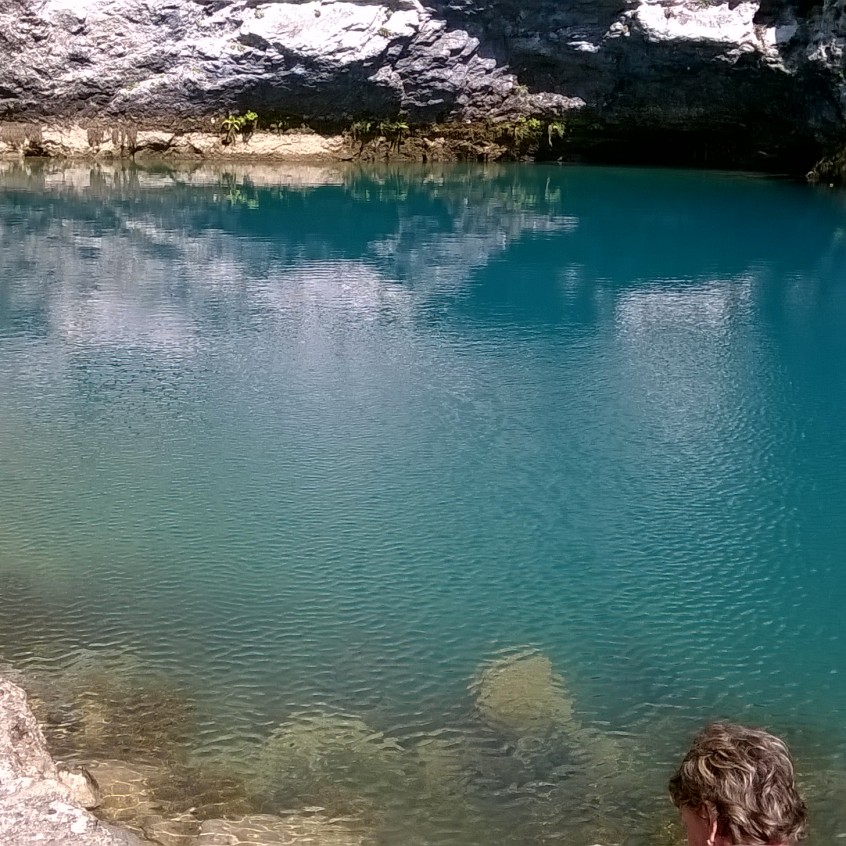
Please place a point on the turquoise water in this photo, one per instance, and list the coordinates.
(324, 440)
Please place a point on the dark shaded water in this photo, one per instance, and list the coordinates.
(320, 441)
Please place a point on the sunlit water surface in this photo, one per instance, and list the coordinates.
(317, 442)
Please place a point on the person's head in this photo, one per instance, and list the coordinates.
(735, 787)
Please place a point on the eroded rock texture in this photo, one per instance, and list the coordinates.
(762, 74)
(40, 803)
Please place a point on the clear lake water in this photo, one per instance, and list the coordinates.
(310, 446)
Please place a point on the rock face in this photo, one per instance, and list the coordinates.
(751, 75)
(39, 803)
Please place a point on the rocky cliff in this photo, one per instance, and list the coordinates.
(759, 78)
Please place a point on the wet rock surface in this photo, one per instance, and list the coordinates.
(317, 777)
(521, 693)
(267, 830)
(763, 77)
(39, 803)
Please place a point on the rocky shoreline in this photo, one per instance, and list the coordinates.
(320, 778)
(50, 805)
(40, 802)
(78, 141)
(520, 140)
(484, 142)
(732, 83)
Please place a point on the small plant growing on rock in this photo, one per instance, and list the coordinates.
(283, 124)
(368, 129)
(394, 130)
(233, 125)
(361, 129)
(523, 131)
(555, 129)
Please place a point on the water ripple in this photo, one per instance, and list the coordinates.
(291, 479)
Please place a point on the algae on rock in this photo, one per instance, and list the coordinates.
(522, 694)
(571, 767)
(111, 704)
(335, 761)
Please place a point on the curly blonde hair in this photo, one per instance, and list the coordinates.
(744, 778)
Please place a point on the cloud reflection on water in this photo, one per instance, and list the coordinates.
(151, 257)
(398, 331)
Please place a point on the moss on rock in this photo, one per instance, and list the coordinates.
(521, 693)
(830, 169)
(111, 704)
(334, 761)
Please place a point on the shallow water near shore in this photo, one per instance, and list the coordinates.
(307, 447)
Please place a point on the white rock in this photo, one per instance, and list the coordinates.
(697, 22)
(38, 802)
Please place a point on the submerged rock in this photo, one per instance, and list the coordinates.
(39, 803)
(130, 726)
(822, 781)
(129, 798)
(522, 694)
(110, 704)
(561, 769)
(125, 791)
(145, 799)
(334, 761)
(267, 830)
(166, 804)
(443, 764)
